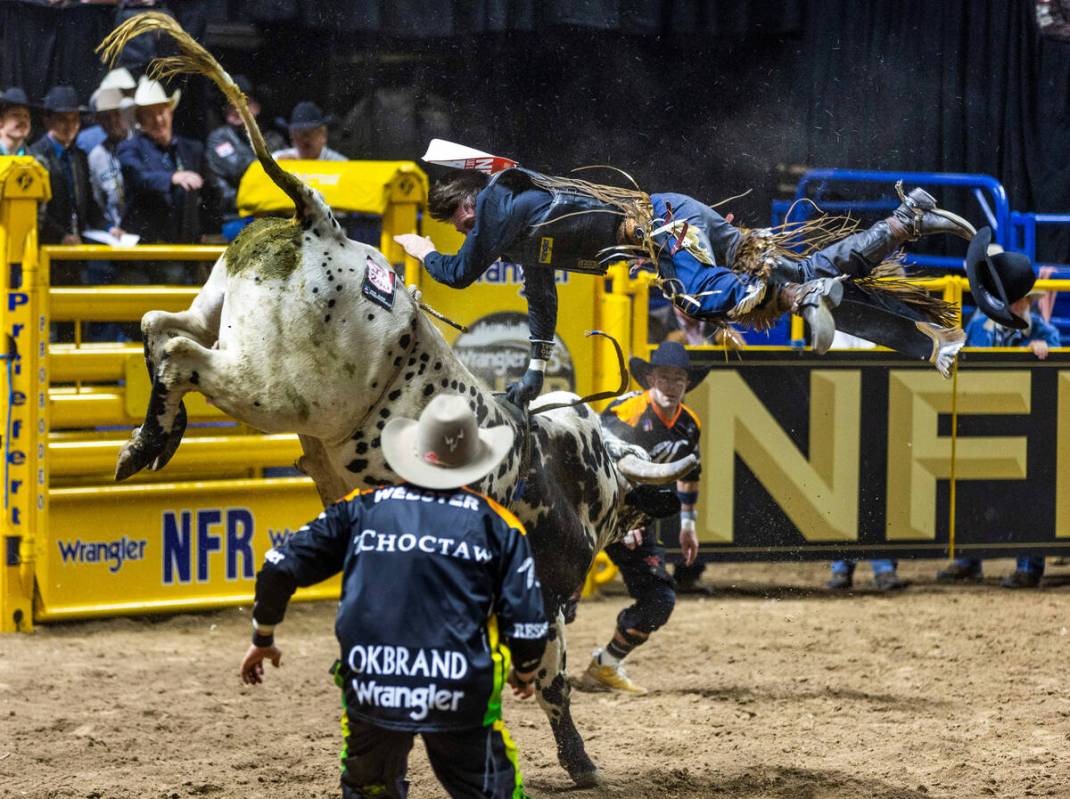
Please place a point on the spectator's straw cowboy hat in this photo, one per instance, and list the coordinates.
(62, 100)
(446, 448)
(306, 115)
(669, 353)
(998, 279)
(13, 96)
(152, 92)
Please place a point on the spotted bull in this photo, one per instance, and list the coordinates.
(299, 329)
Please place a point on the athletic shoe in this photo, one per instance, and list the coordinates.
(1021, 579)
(888, 582)
(607, 678)
(841, 581)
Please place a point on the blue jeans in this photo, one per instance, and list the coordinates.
(1034, 564)
(717, 288)
(879, 566)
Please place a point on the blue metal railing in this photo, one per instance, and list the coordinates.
(1024, 233)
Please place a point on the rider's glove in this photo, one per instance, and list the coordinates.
(529, 386)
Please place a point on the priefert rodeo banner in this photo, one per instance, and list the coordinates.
(856, 454)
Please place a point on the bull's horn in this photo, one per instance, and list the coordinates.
(640, 471)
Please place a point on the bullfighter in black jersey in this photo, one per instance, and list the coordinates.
(656, 420)
(435, 579)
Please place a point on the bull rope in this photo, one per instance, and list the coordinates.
(601, 395)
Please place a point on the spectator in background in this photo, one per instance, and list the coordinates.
(14, 121)
(105, 171)
(122, 82)
(1039, 335)
(885, 575)
(308, 135)
(71, 210)
(106, 178)
(229, 155)
(164, 174)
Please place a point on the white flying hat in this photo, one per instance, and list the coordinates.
(459, 156)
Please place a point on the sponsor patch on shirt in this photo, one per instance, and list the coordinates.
(378, 284)
(224, 149)
(546, 250)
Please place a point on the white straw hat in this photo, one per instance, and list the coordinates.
(152, 92)
(120, 79)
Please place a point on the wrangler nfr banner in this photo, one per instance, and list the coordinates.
(863, 454)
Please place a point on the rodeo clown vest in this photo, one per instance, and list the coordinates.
(563, 236)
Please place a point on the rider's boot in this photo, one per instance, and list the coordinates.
(917, 216)
(814, 301)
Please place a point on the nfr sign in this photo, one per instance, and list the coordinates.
(852, 454)
(198, 544)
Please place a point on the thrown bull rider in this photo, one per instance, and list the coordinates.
(710, 268)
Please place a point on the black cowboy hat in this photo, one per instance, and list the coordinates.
(306, 114)
(61, 100)
(998, 278)
(14, 96)
(668, 353)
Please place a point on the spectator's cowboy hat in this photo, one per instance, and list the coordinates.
(306, 115)
(152, 92)
(446, 448)
(246, 87)
(668, 353)
(998, 279)
(109, 100)
(14, 96)
(62, 100)
(120, 79)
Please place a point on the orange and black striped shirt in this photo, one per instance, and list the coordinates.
(637, 420)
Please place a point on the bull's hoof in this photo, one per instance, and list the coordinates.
(136, 454)
(591, 778)
(132, 460)
(173, 439)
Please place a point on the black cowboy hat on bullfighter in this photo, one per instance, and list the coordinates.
(669, 353)
(998, 279)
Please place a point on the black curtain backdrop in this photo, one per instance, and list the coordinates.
(702, 97)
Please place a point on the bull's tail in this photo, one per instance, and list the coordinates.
(194, 59)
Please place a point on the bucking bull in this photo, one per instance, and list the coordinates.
(300, 329)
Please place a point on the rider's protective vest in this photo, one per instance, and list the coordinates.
(563, 237)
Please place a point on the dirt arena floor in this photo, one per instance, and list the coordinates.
(773, 688)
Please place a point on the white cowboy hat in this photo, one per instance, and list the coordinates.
(109, 100)
(120, 79)
(446, 448)
(152, 92)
